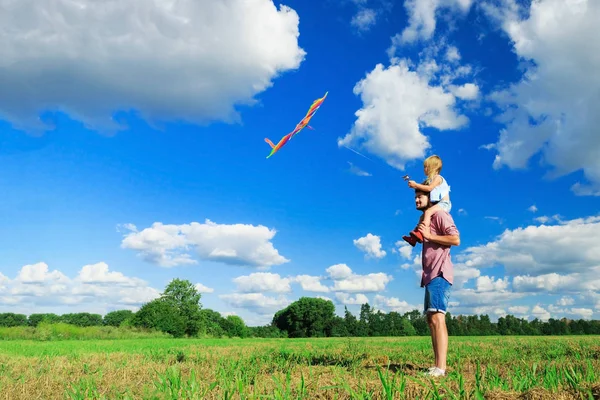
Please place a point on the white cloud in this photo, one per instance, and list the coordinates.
(422, 17)
(347, 281)
(256, 302)
(364, 19)
(518, 310)
(394, 304)
(584, 313)
(397, 103)
(568, 247)
(235, 244)
(262, 282)
(463, 274)
(99, 273)
(357, 171)
(554, 110)
(468, 91)
(39, 273)
(558, 283)
(339, 271)
(310, 283)
(401, 100)
(189, 60)
(488, 284)
(533, 208)
(540, 313)
(566, 301)
(203, 289)
(94, 289)
(370, 244)
(404, 249)
(544, 219)
(452, 54)
(345, 298)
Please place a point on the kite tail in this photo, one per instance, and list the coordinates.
(270, 143)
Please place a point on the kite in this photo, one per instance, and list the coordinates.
(301, 125)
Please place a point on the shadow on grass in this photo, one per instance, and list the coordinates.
(404, 367)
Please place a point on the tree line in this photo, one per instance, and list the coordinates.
(178, 312)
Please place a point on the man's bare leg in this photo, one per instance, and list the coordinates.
(439, 338)
(433, 336)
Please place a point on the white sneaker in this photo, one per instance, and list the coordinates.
(435, 371)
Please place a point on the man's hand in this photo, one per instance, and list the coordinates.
(412, 184)
(425, 232)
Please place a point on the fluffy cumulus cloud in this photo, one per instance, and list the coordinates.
(203, 288)
(347, 299)
(371, 245)
(310, 283)
(96, 289)
(404, 249)
(235, 244)
(367, 13)
(548, 261)
(401, 100)
(554, 110)
(364, 19)
(263, 294)
(422, 17)
(344, 280)
(388, 304)
(259, 303)
(262, 282)
(189, 60)
(567, 247)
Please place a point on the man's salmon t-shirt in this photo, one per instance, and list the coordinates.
(435, 257)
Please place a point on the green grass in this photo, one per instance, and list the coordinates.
(565, 367)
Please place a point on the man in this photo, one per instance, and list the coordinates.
(437, 276)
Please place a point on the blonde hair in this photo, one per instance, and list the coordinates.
(433, 167)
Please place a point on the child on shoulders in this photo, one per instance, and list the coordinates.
(439, 195)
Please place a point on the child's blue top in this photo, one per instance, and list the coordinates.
(440, 191)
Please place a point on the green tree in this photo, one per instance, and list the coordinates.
(211, 323)
(236, 327)
(306, 317)
(116, 318)
(351, 322)
(338, 327)
(35, 319)
(12, 319)
(82, 319)
(185, 299)
(160, 314)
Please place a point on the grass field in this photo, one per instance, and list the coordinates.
(329, 368)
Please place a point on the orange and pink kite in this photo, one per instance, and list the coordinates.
(301, 125)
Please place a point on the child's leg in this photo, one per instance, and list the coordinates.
(427, 215)
(411, 239)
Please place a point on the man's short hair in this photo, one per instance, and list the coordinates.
(417, 191)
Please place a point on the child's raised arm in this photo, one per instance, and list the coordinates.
(426, 188)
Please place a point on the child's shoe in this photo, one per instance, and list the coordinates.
(418, 236)
(411, 240)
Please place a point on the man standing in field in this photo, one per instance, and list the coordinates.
(437, 276)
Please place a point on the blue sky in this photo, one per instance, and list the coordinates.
(132, 147)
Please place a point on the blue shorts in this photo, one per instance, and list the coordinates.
(437, 294)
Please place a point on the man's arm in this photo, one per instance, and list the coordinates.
(445, 223)
(446, 240)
